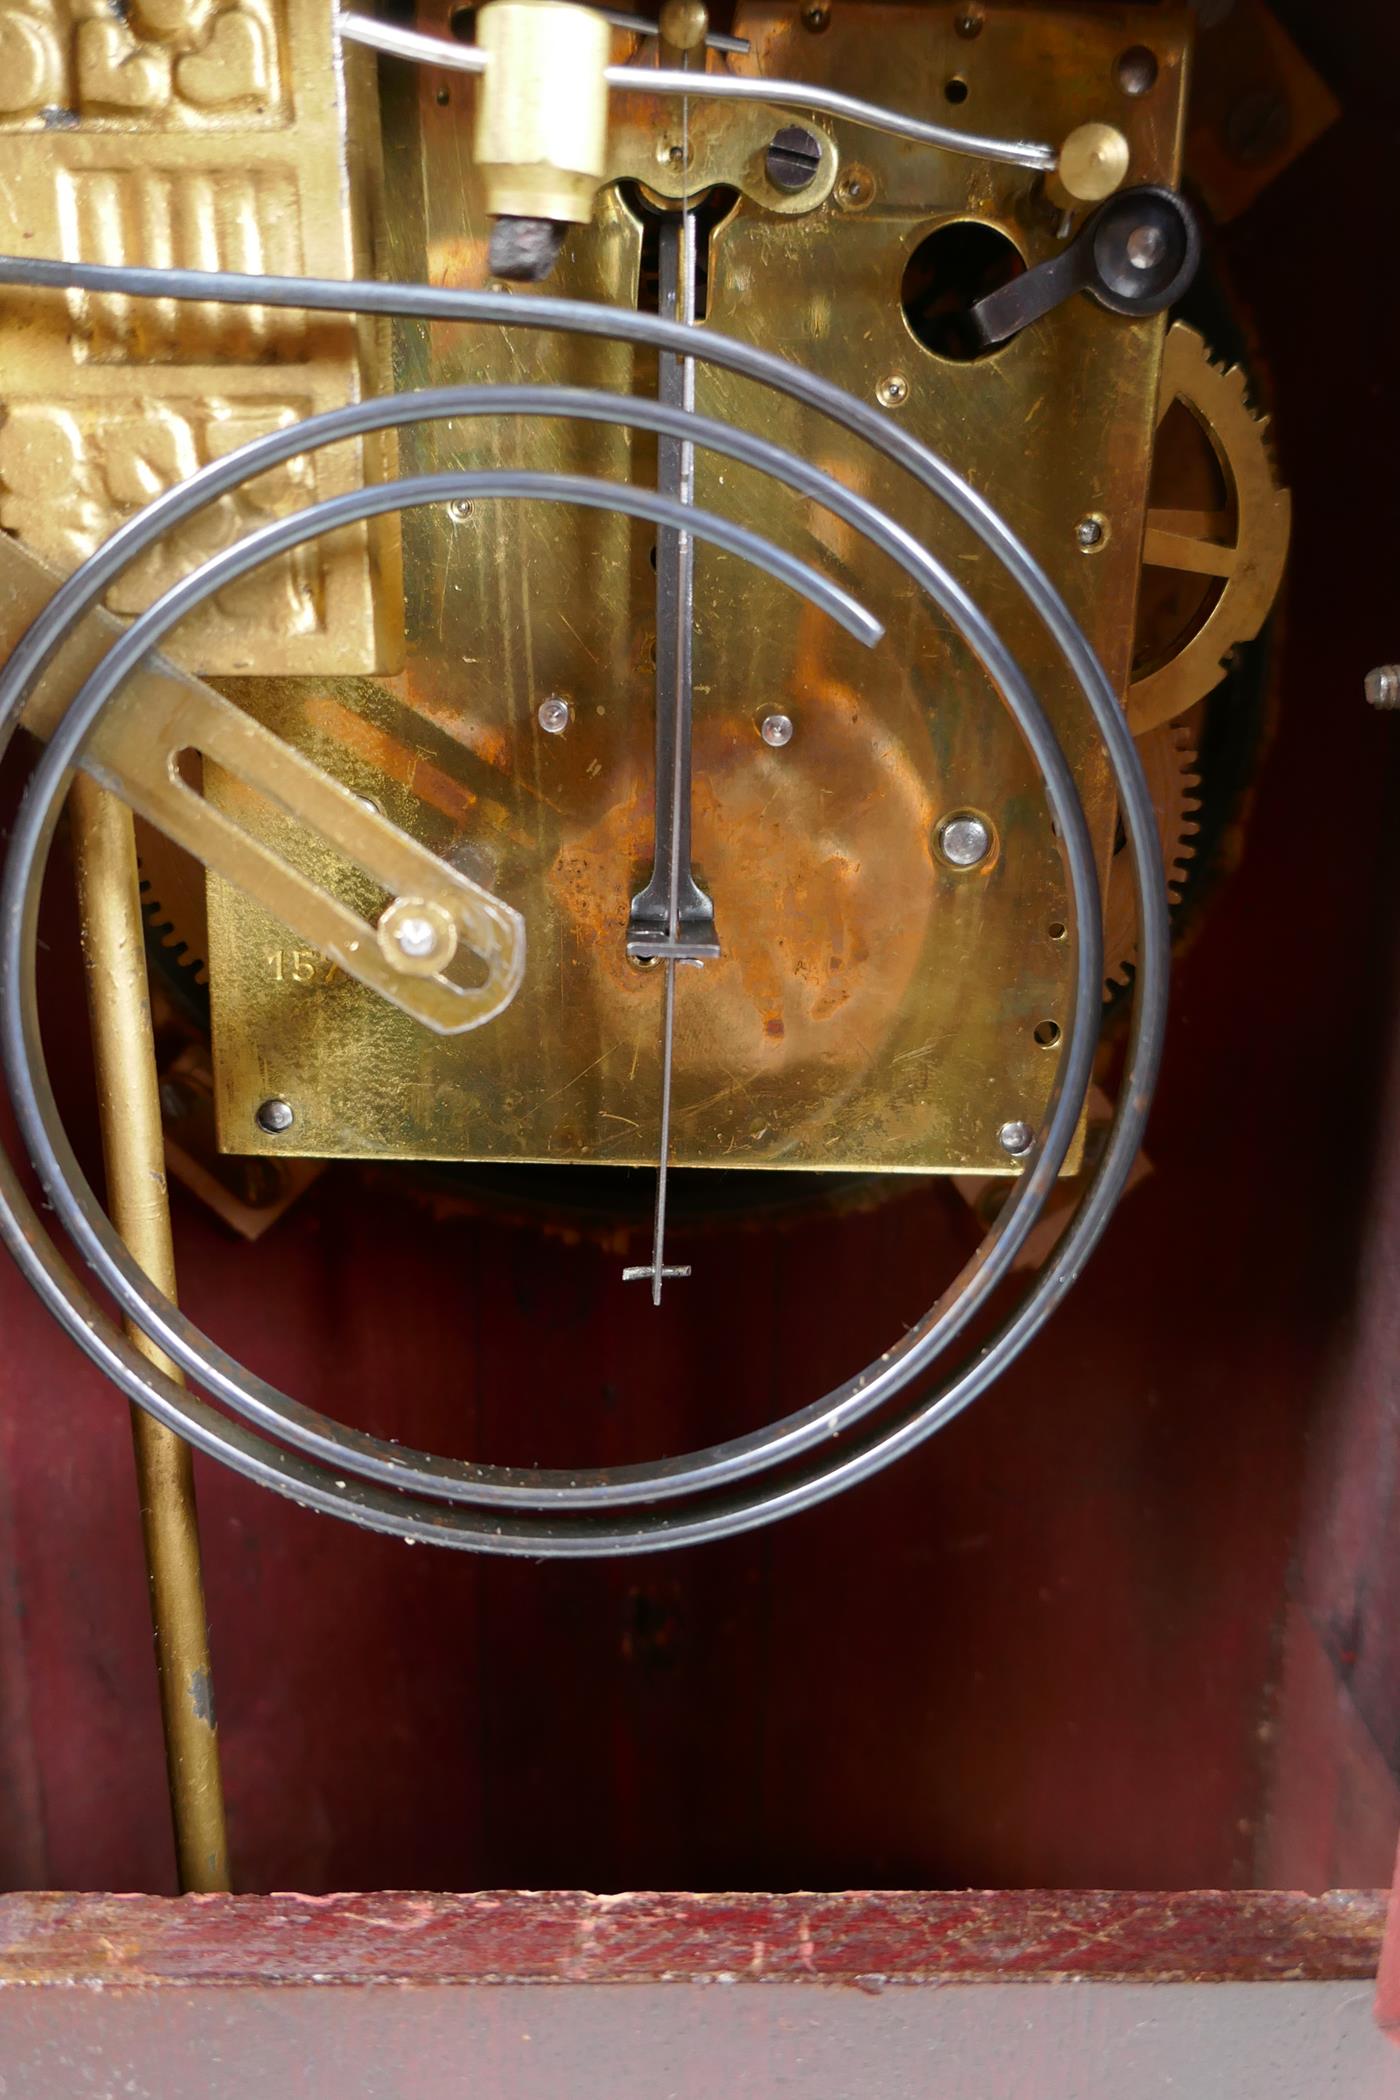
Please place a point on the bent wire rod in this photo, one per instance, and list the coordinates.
(717, 87)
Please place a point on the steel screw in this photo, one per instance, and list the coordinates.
(1137, 70)
(1089, 532)
(792, 159)
(459, 510)
(416, 936)
(555, 714)
(1146, 246)
(1383, 686)
(776, 730)
(275, 1116)
(894, 391)
(1016, 1138)
(965, 841)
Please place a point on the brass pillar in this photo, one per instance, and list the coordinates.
(109, 897)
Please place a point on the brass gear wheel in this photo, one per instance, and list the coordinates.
(1235, 552)
(1169, 761)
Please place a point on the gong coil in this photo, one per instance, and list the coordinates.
(850, 1432)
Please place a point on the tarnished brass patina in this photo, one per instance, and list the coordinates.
(124, 1058)
(874, 1006)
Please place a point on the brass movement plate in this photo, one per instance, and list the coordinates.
(873, 1008)
(207, 134)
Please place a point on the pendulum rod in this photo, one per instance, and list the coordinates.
(672, 920)
(109, 897)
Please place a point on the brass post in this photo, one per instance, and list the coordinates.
(109, 897)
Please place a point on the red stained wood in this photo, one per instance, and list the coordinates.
(868, 1940)
(1045, 1649)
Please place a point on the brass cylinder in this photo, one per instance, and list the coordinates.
(542, 108)
(1092, 165)
(109, 896)
(684, 26)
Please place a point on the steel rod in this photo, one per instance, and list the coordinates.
(842, 1462)
(109, 896)
(412, 44)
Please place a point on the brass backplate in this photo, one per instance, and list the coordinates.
(873, 1008)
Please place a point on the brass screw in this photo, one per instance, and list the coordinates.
(1093, 162)
(684, 24)
(893, 392)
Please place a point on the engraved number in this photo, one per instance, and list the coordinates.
(301, 966)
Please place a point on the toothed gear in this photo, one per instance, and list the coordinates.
(172, 902)
(1243, 549)
(1169, 761)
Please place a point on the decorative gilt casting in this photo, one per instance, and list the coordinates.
(212, 137)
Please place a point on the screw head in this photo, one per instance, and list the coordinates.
(1258, 128)
(459, 510)
(275, 1116)
(816, 17)
(416, 936)
(893, 392)
(965, 840)
(856, 188)
(1016, 1139)
(793, 159)
(1146, 246)
(776, 730)
(1137, 70)
(684, 23)
(555, 714)
(1090, 533)
(1383, 686)
(1093, 162)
